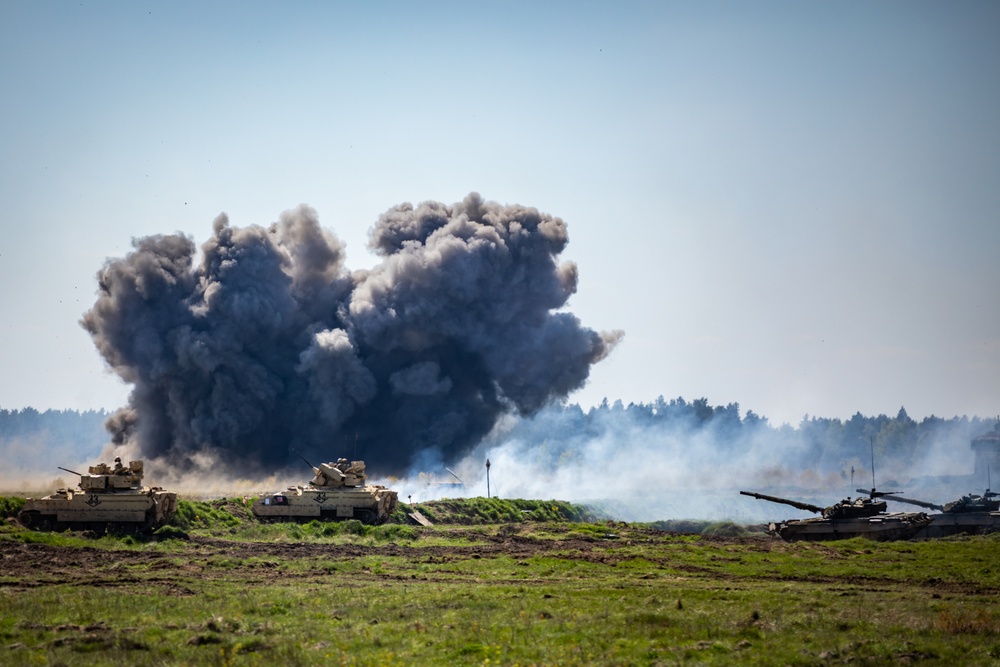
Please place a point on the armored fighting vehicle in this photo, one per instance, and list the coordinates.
(337, 492)
(860, 517)
(971, 513)
(107, 499)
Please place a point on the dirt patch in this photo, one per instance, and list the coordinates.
(24, 566)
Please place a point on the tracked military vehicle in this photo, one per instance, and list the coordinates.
(860, 517)
(971, 513)
(107, 499)
(336, 493)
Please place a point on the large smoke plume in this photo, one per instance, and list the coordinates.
(270, 343)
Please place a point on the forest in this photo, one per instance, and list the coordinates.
(683, 440)
(34, 440)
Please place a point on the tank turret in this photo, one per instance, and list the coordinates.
(911, 501)
(107, 498)
(339, 474)
(858, 507)
(974, 503)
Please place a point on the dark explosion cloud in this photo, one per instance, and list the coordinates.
(271, 344)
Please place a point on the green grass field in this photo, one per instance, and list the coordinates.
(218, 588)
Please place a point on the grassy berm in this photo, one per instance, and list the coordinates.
(492, 583)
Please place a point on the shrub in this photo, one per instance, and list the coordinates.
(169, 532)
(691, 526)
(469, 511)
(353, 527)
(10, 506)
(724, 529)
(193, 514)
(392, 532)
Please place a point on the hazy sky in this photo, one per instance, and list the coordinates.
(792, 206)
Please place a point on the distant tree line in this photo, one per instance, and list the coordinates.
(818, 443)
(30, 439)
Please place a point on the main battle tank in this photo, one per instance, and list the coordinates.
(107, 498)
(337, 492)
(971, 513)
(860, 517)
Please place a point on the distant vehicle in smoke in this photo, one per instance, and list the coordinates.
(106, 500)
(972, 513)
(337, 492)
(860, 517)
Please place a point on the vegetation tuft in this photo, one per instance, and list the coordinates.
(724, 529)
(193, 514)
(10, 506)
(480, 511)
(680, 526)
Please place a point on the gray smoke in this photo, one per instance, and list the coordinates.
(270, 343)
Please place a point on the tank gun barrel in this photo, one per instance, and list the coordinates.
(873, 493)
(784, 501)
(909, 501)
(69, 471)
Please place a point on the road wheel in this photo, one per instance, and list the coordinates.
(30, 519)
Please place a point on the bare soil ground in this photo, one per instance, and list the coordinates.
(24, 566)
(39, 564)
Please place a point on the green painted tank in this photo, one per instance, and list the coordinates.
(970, 514)
(859, 517)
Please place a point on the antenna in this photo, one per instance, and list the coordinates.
(303, 459)
(871, 440)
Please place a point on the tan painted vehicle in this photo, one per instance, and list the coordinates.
(107, 499)
(860, 517)
(337, 492)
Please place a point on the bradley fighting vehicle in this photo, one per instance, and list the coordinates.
(969, 514)
(337, 492)
(861, 517)
(107, 498)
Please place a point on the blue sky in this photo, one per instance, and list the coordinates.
(792, 206)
